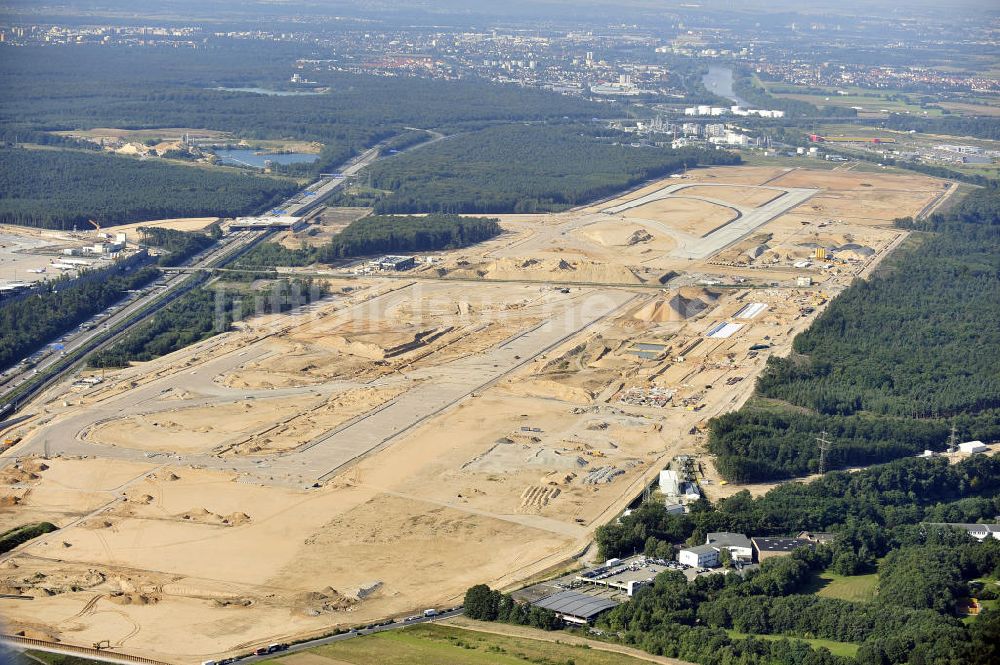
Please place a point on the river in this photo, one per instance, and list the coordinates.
(719, 80)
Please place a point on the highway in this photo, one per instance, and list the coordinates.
(103, 327)
(108, 656)
(106, 326)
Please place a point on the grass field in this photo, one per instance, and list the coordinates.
(445, 645)
(836, 648)
(869, 100)
(857, 588)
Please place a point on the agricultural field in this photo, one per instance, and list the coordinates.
(870, 101)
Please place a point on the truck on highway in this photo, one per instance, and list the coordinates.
(431, 612)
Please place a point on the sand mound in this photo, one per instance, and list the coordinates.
(558, 478)
(583, 355)
(34, 465)
(203, 516)
(706, 295)
(16, 475)
(133, 599)
(9, 500)
(637, 237)
(556, 269)
(325, 601)
(170, 476)
(236, 519)
(683, 304)
(552, 389)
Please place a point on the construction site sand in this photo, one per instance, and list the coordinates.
(691, 216)
(293, 542)
(560, 270)
(616, 234)
(678, 306)
(295, 365)
(65, 490)
(177, 224)
(305, 427)
(560, 386)
(195, 429)
(744, 175)
(855, 181)
(747, 197)
(870, 206)
(381, 519)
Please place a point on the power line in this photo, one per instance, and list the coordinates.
(824, 448)
(952, 445)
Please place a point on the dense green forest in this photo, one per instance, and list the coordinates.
(66, 88)
(201, 313)
(880, 518)
(65, 188)
(523, 168)
(30, 323)
(378, 234)
(892, 363)
(177, 246)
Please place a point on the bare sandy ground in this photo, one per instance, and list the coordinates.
(177, 224)
(686, 214)
(192, 514)
(750, 197)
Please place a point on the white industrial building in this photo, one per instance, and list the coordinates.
(699, 556)
(972, 447)
(739, 546)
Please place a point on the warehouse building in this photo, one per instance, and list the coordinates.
(575, 607)
(767, 548)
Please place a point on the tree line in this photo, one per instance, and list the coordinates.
(27, 325)
(522, 169)
(881, 519)
(65, 189)
(200, 314)
(891, 365)
(178, 246)
(379, 234)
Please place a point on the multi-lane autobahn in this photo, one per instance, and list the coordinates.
(25, 383)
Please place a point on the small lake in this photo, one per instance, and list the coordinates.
(273, 93)
(719, 80)
(248, 157)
